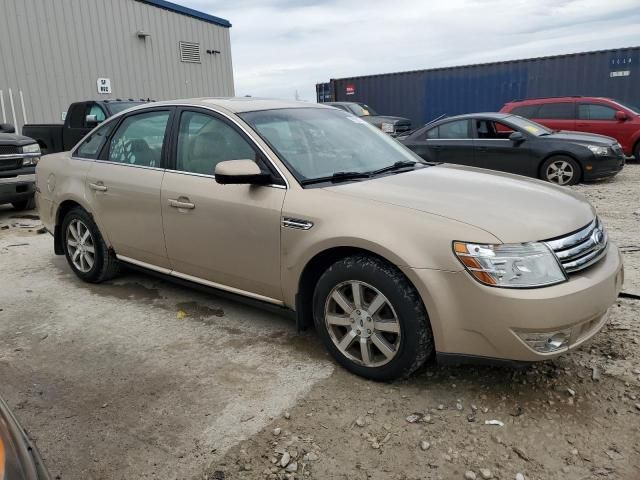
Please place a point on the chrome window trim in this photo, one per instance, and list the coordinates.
(199, 280)
(205, 175)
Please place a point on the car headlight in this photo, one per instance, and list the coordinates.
(516, 265)
(32, 148)
(387, 127)
(598, 151)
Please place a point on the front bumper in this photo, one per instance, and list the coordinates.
(604, 168)
(470, 319)
(20, 187)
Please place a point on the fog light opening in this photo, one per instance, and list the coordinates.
(546, 342)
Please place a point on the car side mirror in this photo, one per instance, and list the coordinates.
(517, 137)
(241, 172)
(91, 120)
(7, 128)
(621, 116)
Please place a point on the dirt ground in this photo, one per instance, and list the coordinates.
(140, 378)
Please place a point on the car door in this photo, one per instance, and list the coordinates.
(226, 235)
(123, 187)
(494, 150)
(449, 142)
(557, 115)
(598, 118)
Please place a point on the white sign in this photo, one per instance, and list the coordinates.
(104, 86)
(620, 73)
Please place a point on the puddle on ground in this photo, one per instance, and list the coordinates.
(197, 311)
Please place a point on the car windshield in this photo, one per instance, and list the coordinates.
(633, 108)
(120, 106)
(362, 110)
(320, 142)
(528, 126)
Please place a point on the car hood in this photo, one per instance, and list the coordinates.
(378, 119)
(511, 207)
(582, 138)
(14, 139)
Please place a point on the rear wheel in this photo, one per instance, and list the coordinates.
(636, 152)
(28, 204)
(561, 170)
(371, 318)
(85, 249)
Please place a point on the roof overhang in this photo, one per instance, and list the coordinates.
(189, 12)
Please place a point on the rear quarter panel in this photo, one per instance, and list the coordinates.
(59, 178)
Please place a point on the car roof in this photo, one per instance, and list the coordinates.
(238, 104)
(540, 100)
(468, 116)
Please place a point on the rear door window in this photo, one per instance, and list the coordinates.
(526, 111)
(458, 129)
(92, 145)
(557, 111)
(139, 139)
(595, 111)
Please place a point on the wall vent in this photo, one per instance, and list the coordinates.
(189, 52)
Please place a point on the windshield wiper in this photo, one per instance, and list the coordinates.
(396, 166)
(336, 177)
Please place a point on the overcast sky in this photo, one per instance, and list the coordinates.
(283, 46)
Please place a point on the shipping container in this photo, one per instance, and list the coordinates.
(423, 95)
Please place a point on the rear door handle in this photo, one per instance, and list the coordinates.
(483, 149)
(181, 204)
(98, 187)
(436, 147)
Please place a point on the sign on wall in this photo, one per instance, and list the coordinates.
(351, 89)
(104, 86)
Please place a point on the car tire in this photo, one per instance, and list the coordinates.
(382, 334)
(561, 170)
(21, 205)
(636, 152)
(85, 249)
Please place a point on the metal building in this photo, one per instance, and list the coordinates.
(423, 95)
(54, 52)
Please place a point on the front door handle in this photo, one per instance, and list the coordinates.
(483, 149)
(184, 203)
(98, 187)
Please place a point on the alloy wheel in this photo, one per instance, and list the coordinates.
(362, 323)
(80, 245)
(560, 172)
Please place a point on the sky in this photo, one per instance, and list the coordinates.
(282, 48)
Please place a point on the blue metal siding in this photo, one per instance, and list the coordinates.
(426, 94)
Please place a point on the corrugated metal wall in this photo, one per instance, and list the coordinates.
(53, 51)
(426, 94)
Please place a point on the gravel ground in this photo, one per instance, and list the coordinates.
(140, 378)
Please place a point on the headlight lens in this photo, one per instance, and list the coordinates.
(598, 151)
(387, 127)
(517, 265)
(33, 148)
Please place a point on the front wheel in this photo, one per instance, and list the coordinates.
(561, 170)
(85, 249)
(372, 319)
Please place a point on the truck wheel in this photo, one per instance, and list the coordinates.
(372, 319)
(28, 204)
(561, 170)
(85, 249)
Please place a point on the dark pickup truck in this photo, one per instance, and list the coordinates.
(81, 118)
(18, 158)
(392, 125)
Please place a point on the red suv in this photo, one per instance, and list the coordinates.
(584, 114)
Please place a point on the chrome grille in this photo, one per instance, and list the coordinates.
(581, 249)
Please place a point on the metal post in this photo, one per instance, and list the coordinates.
(13, 110)
(4, 114)
(24, 112)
